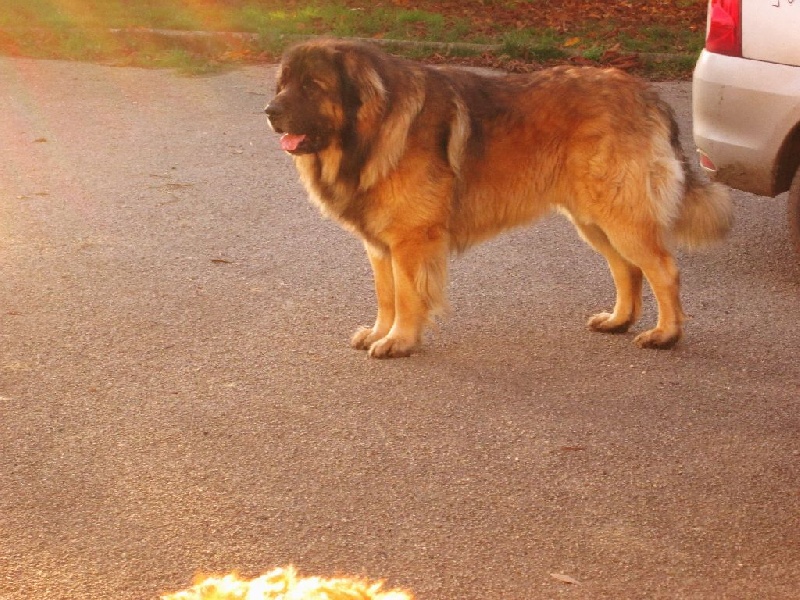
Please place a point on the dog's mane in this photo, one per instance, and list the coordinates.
(383, 97)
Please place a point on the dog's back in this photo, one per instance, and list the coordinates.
(596, 144)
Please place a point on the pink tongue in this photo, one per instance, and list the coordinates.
(290, 142)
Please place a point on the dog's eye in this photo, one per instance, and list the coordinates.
(313, 85)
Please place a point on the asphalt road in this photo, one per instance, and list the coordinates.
(177, 395)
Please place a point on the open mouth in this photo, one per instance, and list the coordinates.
(292, 142)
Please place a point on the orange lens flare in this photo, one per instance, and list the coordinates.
(285, 584)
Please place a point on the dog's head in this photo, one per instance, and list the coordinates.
(323, 89)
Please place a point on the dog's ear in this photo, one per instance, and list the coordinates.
(364, 93)
(363, 77)
(387, 96)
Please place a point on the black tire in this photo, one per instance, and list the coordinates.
(793, 211)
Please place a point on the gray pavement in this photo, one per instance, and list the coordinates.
(177, 395)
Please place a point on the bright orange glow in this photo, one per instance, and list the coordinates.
(114, 30)
(211, 15)
(284, 584)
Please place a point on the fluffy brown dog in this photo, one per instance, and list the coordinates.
(284, 584)
(420, 161)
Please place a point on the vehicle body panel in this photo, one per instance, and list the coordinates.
(743, 110)
(746, 108)
(769, 29)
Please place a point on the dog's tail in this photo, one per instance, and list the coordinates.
(701, 212)
(706, 213)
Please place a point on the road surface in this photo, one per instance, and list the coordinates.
(177, 395)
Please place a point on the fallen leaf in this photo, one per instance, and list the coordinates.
(565, 578)
(572, 42)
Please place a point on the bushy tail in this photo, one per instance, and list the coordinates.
(706, 213)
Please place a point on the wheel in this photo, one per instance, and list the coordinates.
(793, 210)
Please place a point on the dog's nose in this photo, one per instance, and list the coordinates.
(272, 110)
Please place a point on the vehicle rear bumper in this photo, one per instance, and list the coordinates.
(742, 112)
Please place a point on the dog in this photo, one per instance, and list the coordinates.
(284, 584)
(421, 161)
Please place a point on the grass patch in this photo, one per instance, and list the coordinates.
(339, 21)
(659, 39)
(594, 54)
(665, 68)
(79, 30)
(532, 45)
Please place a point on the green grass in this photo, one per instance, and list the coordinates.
(594, 53)
(62, 15)
(79, 30)
(665, 68)
(335, 20)
(657, 39)
(533, 45)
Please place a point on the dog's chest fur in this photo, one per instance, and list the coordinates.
(335, 195)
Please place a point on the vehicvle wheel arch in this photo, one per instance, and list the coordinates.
(793, 210)
(787, 161)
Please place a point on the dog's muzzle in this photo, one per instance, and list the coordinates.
(273, 112)
(291, 143)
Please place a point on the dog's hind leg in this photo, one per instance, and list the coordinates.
(381, 262)
(627, 281)
(662, 275)
(647, 252)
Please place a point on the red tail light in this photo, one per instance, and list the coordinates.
(724, 27)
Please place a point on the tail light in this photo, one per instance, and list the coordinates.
(706, 163)
(724, 27)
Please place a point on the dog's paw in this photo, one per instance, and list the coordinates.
(363, 338)
(390, 347)
(606, 323)
(657, 339)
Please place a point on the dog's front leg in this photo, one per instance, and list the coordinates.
(381, 262)
(419, 269)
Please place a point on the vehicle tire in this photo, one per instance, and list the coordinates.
(793, 211)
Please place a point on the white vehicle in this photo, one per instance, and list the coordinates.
(746, 99)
